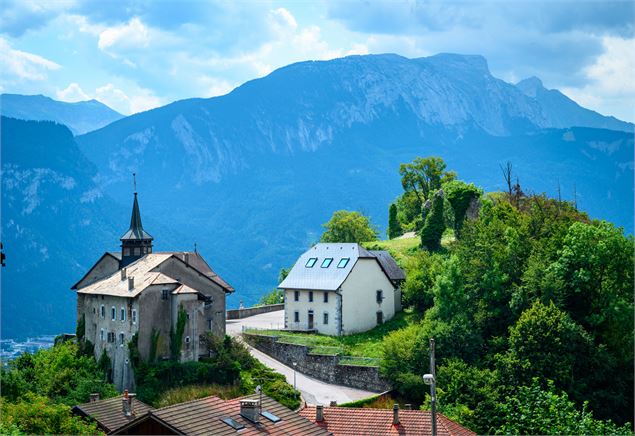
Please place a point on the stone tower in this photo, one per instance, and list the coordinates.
(136, 242)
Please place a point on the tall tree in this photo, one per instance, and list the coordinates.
(394, 228)
(434, 224)
(423, 176)
(349, 226)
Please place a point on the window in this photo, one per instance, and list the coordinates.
(113, 313)
(327, 262)
(311, 262)
(380, 317)
(164, 294)
(296, 316)
(326, 297)
(134, 316)
(187, 342)
(137, 251)
(209, 324)
(94, 311)
(296, 295)
(326, 318)
(126, 252)
(101, 335)
(343, 262)
(111, 336)
(122, 338)
(123, 314)
(310, 296)
(102, 311)
(380, 296)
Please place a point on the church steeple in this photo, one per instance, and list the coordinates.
(136, 242)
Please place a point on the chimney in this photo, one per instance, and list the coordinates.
(127, 403)
(319, 413)
(130, 283)
(333, 403)
(395, 414)
(408, 406)
(123, 273)
(250, 409)
(187, 258)
(94, 397)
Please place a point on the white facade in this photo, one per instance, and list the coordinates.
(341, 298)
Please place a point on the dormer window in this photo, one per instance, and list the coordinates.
(311, 262)
(327, 262)
(343, 262)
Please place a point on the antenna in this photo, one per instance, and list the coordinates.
(134, 182)
(195, 248)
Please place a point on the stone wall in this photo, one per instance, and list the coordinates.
(251, 311)
(322, 367)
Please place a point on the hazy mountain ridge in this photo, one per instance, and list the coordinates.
(80, 117)
(55, 222)
(251, 176)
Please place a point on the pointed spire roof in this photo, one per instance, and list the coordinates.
(136, 231)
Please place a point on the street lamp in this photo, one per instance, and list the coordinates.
(294, 365)
(430, 379)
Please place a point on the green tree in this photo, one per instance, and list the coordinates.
(460, 195)
(422, 269)
(347, 226)
(394, 228)
(60, 373)
(36, 414)
(533, 410)
(275, 296)
(434, 224)
(423, 176)
(547, 343)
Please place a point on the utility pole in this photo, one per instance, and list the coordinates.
(433, 389)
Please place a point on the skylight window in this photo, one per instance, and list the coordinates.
(343, 262)
(327, 262)
(233, 423)
(311, 262)
(270, 416)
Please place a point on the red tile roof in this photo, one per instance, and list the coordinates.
(203, 417)
(345, 421)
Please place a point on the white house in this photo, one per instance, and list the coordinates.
(339, 289)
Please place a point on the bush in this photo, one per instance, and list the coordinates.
(35, 414)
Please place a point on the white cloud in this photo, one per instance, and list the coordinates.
(72, 93)
(131, 35)
(282, 22)
(21, 65)
(611, 86)
(141, 100)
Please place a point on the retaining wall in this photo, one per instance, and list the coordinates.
(322, 367)
(250, 311)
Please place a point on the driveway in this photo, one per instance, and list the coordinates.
(313, 390)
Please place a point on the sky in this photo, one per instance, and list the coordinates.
(134, 55)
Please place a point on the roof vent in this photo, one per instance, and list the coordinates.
(319, 413)
(395, 414)
(130, 283)
(250, 409)
(123, 273)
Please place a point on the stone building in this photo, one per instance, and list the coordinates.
(339, 289)
(139, 291)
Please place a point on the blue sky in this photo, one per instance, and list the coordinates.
(136, 55)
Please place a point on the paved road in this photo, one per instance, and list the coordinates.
(313, 390)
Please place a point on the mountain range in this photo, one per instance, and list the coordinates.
(80, 117)
(250, 176)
